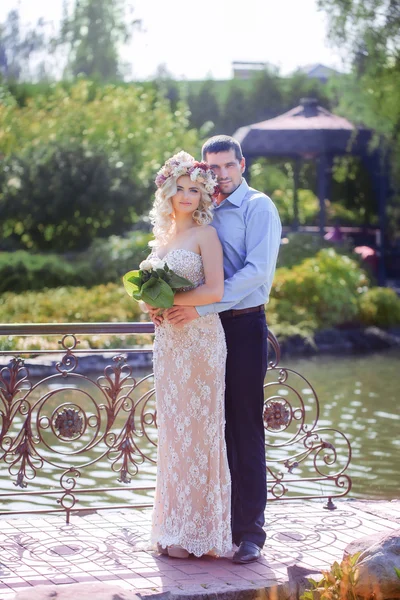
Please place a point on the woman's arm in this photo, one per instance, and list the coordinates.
(213, 288)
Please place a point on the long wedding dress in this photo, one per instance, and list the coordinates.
(193, 489)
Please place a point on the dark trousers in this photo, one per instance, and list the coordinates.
(246, 338)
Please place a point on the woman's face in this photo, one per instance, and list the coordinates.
(188, 195)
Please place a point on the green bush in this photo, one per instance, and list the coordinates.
(20, 271)
(339, 583)
(61, 197)
(308, 206)
(322, 291)
(86, 153)
(276, 180)
(300, 246)
(103, 303)
(380, 307)
(106, 260)
(111, 258)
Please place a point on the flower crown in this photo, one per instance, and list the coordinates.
(184, 164)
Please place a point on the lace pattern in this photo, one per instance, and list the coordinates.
(193, 491)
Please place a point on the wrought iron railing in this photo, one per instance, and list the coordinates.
(76, 426)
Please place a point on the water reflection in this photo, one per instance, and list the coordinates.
(360, 396)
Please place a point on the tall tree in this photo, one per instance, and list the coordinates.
(204, 107)
(94, 33)
(299, 86)
(235, 113)
(363, 23)
(370, 31)
(17, 46)
(266, 96)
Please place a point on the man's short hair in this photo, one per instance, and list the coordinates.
(221, 143)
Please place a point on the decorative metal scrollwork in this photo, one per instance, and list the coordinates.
(277, 414)
(297, 449)
(71, 423)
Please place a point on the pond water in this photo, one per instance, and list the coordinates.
(358, 395)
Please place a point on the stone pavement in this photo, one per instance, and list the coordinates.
(112, 547)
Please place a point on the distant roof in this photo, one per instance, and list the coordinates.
(318, 70)
(308, 115)
(308, 128)
(247, 69)
(249, 63)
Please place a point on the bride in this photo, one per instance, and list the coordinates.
(193, 491)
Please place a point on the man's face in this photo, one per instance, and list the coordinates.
(228, 170)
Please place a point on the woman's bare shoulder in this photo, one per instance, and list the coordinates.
(207, 232)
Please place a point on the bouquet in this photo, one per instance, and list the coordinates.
(154, 283)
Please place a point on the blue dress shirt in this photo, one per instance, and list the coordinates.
(249, 228)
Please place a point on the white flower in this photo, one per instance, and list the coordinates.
(14, 182)
(183, 157)
(195, 174)
(146, 265)
(158, 263)
(179, 171)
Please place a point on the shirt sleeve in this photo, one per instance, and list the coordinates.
(263, 236)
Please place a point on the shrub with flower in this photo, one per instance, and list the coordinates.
(154, 283)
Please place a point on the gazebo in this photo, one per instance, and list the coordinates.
(310, 132)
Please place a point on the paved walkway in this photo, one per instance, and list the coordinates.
(111, 547)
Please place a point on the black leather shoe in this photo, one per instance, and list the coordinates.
(247, 552)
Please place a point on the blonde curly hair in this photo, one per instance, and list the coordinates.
(162, 213)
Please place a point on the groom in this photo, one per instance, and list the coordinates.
(249, 228)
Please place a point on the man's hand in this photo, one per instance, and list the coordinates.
(180, 315)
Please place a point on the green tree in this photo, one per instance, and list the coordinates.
(18, 45)
(204, 106)
(266, 96)
(235, 112)
(87, 144)
(94, 32)
(166, 85)
(370, 31)
(62, 197)
(300, 86)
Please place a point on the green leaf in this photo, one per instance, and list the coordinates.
(176, 281)
(353, 559)
(157, 293)
(397, 572)
(165, 276)
(132, 282)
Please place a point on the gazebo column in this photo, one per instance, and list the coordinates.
(296, 175)
(324, 172)
(383, 192)
(377, 164)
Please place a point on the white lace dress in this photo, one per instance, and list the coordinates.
(193, 490)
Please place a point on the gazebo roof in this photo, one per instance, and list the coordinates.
(308, 129)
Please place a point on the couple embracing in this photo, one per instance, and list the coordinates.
(210, 354)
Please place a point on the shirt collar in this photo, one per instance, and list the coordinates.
(238, 195)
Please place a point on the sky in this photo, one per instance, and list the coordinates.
(195, 40)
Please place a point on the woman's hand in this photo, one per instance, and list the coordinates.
(155, 315)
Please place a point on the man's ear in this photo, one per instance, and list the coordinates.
(243, 164)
